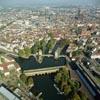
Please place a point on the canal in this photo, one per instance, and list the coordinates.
(32, 63)
(44, 83)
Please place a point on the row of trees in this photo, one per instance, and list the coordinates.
(68, 86)
(39, 45)
(26, 52)
(42, 45)
(49, 45)
(77, 53)
(27, 80)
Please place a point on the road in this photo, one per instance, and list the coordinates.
(85, 78)
(75, 76)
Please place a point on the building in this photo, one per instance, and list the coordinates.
(7, 94)
(95, 55)
(9, 65)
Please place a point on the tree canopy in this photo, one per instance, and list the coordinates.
(26, 52)
(66, 84)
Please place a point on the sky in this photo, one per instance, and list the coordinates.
(30, 3)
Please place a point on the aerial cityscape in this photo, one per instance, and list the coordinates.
(49, 49)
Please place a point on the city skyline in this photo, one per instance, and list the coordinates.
(50, 49)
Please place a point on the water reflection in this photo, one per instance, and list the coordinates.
(45, 84)
(32, 63)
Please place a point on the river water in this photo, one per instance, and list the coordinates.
(44, 83)
(32, 63)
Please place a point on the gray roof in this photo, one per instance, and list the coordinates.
(8, 94)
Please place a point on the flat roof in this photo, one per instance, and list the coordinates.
(2, 97)
(7, 93)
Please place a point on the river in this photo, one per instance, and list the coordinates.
(32, 63)
(44, 83)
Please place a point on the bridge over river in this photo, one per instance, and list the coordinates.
(42, 71)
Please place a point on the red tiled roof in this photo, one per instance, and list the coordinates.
(5, 65)
(96, 53)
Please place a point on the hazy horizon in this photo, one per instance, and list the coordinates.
(39, 3)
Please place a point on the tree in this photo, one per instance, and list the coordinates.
(75, 97)
(49, 45)
(67, 41)
(27, 51)
(58, 77)
(65, 73)
(23, 77)
(21, 53)
(82, 95)
(2, 60)
(37, 46)
(29, 81)
(67, 89)
(42, 45)
(1, 74)
(75, 85)
(34, 49)
(50, 35)
(78, 54)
